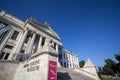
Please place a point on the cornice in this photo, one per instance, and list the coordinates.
(70, 52)
(11, 20)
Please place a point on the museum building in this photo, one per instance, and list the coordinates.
(19, 40)
(32, 51)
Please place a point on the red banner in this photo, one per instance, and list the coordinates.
(52, 72)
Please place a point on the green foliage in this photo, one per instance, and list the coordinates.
(81, 63)
(111, 67)
(106, 79)
(100, 71)
(117, 57)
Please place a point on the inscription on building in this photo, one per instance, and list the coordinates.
(32, 66)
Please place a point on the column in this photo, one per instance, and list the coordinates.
(77, 63)
(30, 48)
(35, 45)
(69, 65)
(3, 43)
(39, 44)
(63, 58)
(22, 41)
(66, 60)
(72, 61)
(57, 47)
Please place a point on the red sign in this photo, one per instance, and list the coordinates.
(52, 72)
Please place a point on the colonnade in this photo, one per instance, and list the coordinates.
(32, 41)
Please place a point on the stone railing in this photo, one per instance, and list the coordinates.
(87, 73)
(20, 57)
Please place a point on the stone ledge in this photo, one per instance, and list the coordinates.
(9, 61)
(44, 52)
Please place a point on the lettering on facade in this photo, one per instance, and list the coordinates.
(32, 66)
(35, 68)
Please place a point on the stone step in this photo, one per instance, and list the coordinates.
(71, 74)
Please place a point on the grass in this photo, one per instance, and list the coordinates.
(106, 79)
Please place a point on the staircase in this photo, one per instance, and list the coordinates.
(71, 74)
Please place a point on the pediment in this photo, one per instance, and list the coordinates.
(49, 30)
(46, 28)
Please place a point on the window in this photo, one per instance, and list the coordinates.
(2, 55)
(6, 56)
(4, 29)
(54, 45)
(43, 42)
(14, 36)
(64, 64)
(70, 66)
(64, 56)
(67, 65)
(60, 51)
(2, 35)
(23, 51)
(9, 46)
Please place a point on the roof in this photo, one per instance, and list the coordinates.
(69, 52)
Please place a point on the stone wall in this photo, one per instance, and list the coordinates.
(32, 69)
(7, 69)
(35, 68)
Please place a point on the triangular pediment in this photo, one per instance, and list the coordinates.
(46, 28)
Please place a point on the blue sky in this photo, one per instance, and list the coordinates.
(89, 28)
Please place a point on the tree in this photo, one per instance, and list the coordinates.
(117, 57)
(81, 63)
(100, 71)
(109, 67)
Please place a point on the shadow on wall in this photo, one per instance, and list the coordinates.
(64, 76)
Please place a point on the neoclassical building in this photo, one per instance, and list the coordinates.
(70, 60)
(32, 51)
(19, 38)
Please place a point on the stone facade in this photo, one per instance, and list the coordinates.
(18, 38)
(70, 60)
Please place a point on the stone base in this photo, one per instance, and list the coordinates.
(36, 68)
